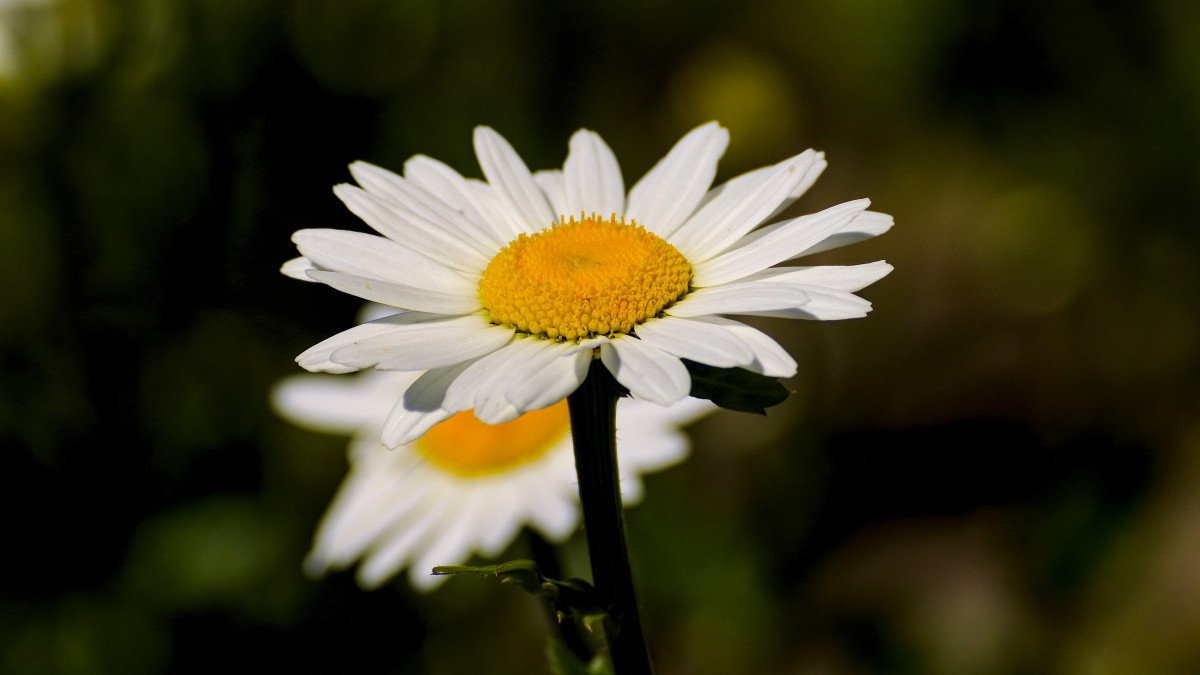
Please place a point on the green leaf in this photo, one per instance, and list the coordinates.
(523, 573)
(570, 598)
(736, 388)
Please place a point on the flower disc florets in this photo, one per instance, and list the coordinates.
(583, 278)
(469, 448)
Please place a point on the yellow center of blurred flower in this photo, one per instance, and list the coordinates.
(467, 447)
(583, 278)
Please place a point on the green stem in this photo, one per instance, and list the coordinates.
(593, 409)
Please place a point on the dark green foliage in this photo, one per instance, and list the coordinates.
(736, 388)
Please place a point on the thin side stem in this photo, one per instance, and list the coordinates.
(546, 557)
(593, 409)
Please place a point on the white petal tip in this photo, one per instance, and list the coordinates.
(362, 171)
(297, 268)
(369, 580)
(780, 371)
(483, 131)
(327, 367)
(880, 222)
(506, 414)
(393, 442)
(315, 567)
(317, 361)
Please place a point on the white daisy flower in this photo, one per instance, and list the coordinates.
(464, 487)
(514, 284)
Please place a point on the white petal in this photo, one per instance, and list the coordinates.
(696, 340)
(552, 183)
(378, 180)
(404, 426)
(740, 208)
(296, 268)
(735, 183)
(367, 255)
(769, 358)
(349, 526)
(775, 243)
(439, 179)
(646, 444)
(398, 545)
(421, 406)
(398, 295)
(655, 453)
(426, 205)
(426, 345)
(741, 298)
(482, 385)
(824, 305)
(366, 506)
(335, 404)
(646, 372)
(455, 540)
(462, 194)
(511, 179)
(632, 489)
(592, 178)
(366, 439)
(869, 224)
(849, 278)
(552, 376)
(414, 230)
(555, 518)
(643, 414)
(500, 524)
(814, 172)
(371, 311)
(668, 194)
(316, 358)
(490, 200)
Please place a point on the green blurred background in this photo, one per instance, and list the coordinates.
(997, 472)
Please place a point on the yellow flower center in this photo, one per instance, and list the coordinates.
(583, 278)
(467, 447)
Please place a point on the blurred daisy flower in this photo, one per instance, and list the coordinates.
(513, 285)
(464, 487)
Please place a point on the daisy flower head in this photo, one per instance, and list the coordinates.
(464, 487)
(512, 285)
